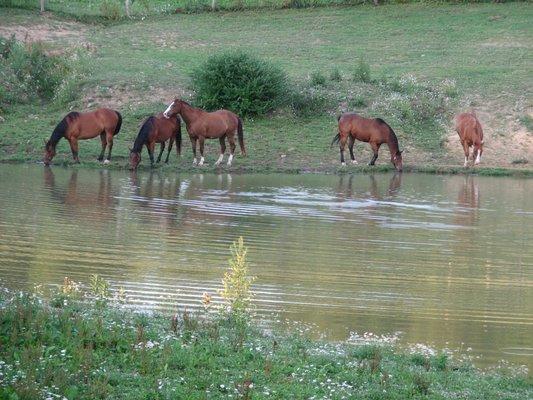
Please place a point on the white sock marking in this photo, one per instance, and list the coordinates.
(201, 161)
(106, 161)
(220, 158)
(230, 159)
(354, 161)
(194, 161)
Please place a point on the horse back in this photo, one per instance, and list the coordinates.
(216, 124)
(164, 128)
(469, 128)
(363, 129)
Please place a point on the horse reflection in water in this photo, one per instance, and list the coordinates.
(83, 199)
(469, 203)
(346, 189)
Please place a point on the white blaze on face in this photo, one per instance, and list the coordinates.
(168, 110)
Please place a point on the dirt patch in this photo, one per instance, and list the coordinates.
(119, 98)
(47, 31)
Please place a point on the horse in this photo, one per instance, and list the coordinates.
(371, 130)
(470, 132)
(80, 126)
(203, 125)
(156, 129)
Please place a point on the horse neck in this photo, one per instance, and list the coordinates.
(392, 142)
(189, 113)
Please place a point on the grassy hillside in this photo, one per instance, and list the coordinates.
(483, 51)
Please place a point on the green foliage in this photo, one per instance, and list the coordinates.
(335, 75)
(237, 292)
(527, 121)
(361, 72)
(111, 9)
(239, 82)
(100, 288)
(318, 79)
(29, 74)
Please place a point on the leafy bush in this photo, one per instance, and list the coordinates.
(305, 101)
(110, 9)
(362, 72)
(28, 73)
(239, 82)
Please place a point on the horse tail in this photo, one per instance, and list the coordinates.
(336, 139)
(241, 136)
(178, 138)
(61, 128)
(119, 123)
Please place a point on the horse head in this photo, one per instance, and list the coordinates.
(135, 159)
(397, 161)
(173, 109)
(49, 152)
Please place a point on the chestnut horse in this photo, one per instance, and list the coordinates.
(156, 129)
(471, 134)
(370, 130)
(80, 126)
(203, 125)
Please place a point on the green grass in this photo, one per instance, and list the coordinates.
(79, 348)
(483, 48)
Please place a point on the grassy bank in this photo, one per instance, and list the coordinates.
(77, 347)
(417, 80)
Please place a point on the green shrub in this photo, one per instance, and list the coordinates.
(28, 73)
(110, 9)
(318, 79)
(362, 72)
(239, 82)
(335, 75)
(306, 101)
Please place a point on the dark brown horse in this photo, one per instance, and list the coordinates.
(80, 126)
(370, 130)
(471, 134)
(203, 125)
(156, 129)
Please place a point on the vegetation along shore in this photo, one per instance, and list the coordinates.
(83, 342)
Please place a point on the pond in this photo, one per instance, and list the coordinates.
(445, 260)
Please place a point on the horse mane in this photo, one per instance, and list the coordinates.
(393, 139)
(144, 132)
(61, 128)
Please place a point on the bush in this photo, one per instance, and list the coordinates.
(28, 73)
(362, 72)
(110, 10)
(317, 79)
(239, 82)
(306, 101)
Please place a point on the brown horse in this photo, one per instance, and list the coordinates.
(471, 134)
(373, 131)
(156, 129)
(203, 125)
(80, 126)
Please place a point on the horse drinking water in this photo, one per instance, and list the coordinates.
(471, 134)
(203, 125)
(80, 126)
(371, 130)
(156, 129)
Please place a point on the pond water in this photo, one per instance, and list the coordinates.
(446, 260)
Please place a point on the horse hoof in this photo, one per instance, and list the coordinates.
(106, 162)
(343, 164)
(229, 164)
(354, 162)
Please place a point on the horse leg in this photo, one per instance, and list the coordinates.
(375, 149)
(222, 141)
(477, 153)
(201, 140)
(466, 149)
(231, 140)
(151, 147)
(351, 141)
(161, 150)
(110, 146)
(170, 143)
(342, 145)
(193, 143)
(104, 144)
(74, 148)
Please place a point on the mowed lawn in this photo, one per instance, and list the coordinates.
(139, 66)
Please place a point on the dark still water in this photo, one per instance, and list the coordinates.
(446, 260)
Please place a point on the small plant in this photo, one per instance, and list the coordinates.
(362, 72)
(236, 282)
(70, 288)
(306, 101)
(318, 79)
(110, 9)
(335, 75)
(99, 288)
(239, 82)
(357, 101)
